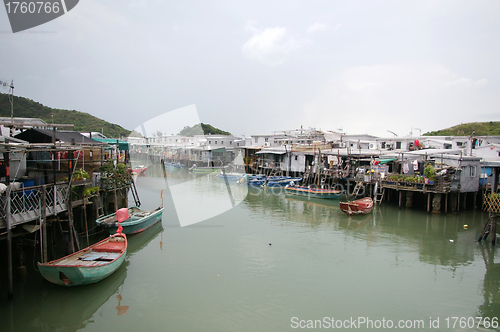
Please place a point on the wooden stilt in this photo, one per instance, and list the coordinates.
(428, 202)
(10, 293)
(493, 230)
(86, 223)
(44, 224)
(446, 204)
(400, 198)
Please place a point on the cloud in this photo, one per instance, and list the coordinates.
(269, 46)
(374, 99)
(465, 82)
(317, 27)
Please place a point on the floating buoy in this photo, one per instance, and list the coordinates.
(466, 226)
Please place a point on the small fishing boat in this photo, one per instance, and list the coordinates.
(137, 221)
(359, 206)
(231, 176)
(139, 170)
(282, 181)
(204, 170)
(313, 192)
(173, 166)
(89, 265)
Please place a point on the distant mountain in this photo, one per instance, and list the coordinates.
(84, 122)
(472, 128)
(202, 129)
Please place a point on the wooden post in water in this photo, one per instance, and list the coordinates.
(493, 219)
(428, 202)
(446, 204)
(86, 223)
(10, 292)
(400, 198)
(44, 223)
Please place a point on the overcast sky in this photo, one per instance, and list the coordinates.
(261, 66)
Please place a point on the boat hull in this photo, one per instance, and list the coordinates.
(282, 182)
(171, 166)
(204, 170)
(69, 271)
(231, 176)
(134, 224)
(138, 171)
(360, 206)
(313, 192)
(79, 276)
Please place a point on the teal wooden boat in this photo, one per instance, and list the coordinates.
(89, 265)
(138, 220)
(313, 192)
(204, 170)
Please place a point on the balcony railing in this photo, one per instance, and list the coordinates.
(25, 204)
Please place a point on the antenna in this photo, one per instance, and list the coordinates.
(5, 84)
(395, 135)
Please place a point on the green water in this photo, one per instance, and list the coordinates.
(273, 263)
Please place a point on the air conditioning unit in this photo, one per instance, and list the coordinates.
(372, 146)
(266, 144)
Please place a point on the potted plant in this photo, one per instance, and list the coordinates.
(430, 174)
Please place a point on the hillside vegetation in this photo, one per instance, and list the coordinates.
(202, 129)
(84, 122)
(473, 128)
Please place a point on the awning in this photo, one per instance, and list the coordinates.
(122, 145)
(271, 152)
(385, 161)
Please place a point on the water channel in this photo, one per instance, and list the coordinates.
(263, 261)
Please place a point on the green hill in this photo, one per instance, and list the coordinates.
(465, 129)
(202, 129)
(27, 108)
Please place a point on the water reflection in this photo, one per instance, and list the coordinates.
(491, 285)
(122, 309)
(439, 239)
(54, 308)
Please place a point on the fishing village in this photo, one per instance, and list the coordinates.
(249, 166)
(59, 186)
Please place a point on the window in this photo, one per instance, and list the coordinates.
(256, 140)
(230, 142)
(266, 139)
(209, 142)
(215, 143)
(473, 171)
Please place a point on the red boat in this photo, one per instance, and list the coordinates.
(139, 170)
(359, 206)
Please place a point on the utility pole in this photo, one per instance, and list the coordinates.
(11, 100)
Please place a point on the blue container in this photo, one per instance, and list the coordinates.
(27, 183)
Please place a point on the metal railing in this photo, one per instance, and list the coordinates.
(25, 204)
